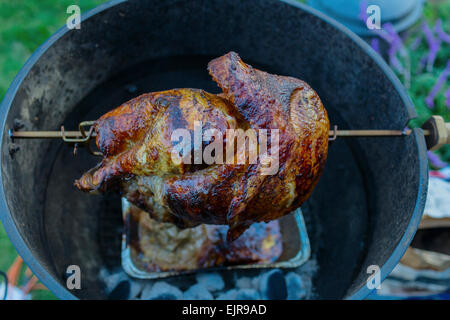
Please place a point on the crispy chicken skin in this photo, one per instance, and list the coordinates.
(135, 140)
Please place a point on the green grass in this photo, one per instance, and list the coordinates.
(7, 251)
(24, 26)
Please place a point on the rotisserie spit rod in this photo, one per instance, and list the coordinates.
(436, 131)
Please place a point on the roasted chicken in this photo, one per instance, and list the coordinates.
(136, 140)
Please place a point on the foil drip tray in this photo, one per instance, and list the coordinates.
(291, 231)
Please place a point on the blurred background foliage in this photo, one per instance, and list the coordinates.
(26, 24)
(423, 82)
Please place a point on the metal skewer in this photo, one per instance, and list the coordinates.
(332, 133)
(71, 137)
(47, 134)
(81, 137)
(436, 131)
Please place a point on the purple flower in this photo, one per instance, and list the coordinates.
(429, 100)
(434, 43)
(396, 44)
(363, 10)
(440, 32)
(436, 161)
(375, 44)
(416, 43)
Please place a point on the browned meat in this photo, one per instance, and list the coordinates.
(136, 143)
(159, 246)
